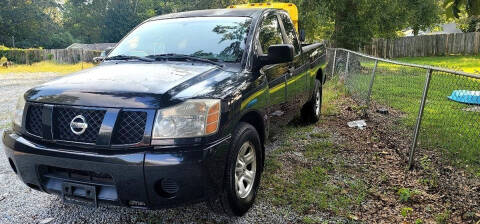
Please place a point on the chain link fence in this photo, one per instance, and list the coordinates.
(436, 108)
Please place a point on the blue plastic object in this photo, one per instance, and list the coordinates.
(466, 96)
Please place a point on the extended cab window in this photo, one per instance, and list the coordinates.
(270, 32)
(214, 38)
(290, 31)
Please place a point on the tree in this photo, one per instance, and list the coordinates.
(422, 14)
(85, 19)
(466, 13)
(120, 18)
(26, 23)
(454, 8)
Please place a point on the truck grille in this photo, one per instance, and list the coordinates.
(34, 124)
(129, 127)
(62, 116)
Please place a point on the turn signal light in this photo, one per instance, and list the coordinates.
(213, 119)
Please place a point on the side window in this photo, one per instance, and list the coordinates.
(270, 32)
(290, 31)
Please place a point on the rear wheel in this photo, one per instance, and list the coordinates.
(311, 111)
(242, 174)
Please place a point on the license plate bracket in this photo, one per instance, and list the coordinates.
(80, 194)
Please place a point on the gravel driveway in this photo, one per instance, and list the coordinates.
(20, 204)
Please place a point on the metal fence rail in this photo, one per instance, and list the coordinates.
(426, 98)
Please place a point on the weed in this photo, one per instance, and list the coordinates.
(431, 179)
(310, 220)
(442, 218)
(318, 150)
(321, 135)
(405, 194)
(406, 211)
(425, 163)
(418, 221)
(333, 90)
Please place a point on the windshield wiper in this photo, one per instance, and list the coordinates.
(183, 57)
(127, 57)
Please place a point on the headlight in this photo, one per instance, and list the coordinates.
(18, 113)
(193, 118)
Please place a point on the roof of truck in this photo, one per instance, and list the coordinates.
(253, 12)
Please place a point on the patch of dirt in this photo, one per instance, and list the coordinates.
(440, 193)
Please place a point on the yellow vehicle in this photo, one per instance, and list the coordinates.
(289, 7)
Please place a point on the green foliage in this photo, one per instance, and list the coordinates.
(466, 13)
(312, 188)
(26, 23)
(406, 211)
(56, 24)
(442, 218)
(469, 24)
(405, 194)
(422, 14)
(454, 8)
(355, 22)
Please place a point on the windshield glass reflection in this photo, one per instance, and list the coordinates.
(213, 38)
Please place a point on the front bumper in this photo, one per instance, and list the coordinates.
(144, 178)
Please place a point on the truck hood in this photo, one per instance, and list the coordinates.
(133, 85)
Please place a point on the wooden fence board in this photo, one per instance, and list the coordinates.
(429, 45)
(66, 56)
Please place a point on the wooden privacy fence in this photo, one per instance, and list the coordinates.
(67, 56)
(429, 45)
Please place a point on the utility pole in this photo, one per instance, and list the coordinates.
(13, 41)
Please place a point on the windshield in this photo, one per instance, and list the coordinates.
(214, 38)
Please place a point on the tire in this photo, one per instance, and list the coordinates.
(233, 201)
(311, 111)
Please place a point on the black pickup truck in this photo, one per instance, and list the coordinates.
(179, 112)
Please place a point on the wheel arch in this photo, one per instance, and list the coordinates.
(255, 119)
(320, 76)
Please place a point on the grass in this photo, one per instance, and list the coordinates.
(331, 92)
(315, 186)
(322, 185)
(46, 66)
(446, 125)
(469, 64)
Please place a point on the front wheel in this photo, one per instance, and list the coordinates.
(242, 174)
(312, 109)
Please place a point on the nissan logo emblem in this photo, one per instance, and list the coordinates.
(78, 125)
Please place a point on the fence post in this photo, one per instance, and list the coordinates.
(371, 84)
(419, 118)
(334, 62)
(81, 58)
(348, 62)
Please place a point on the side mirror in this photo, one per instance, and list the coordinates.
(302, 36)
(277, 54)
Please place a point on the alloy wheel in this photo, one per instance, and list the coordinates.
(245, 170)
